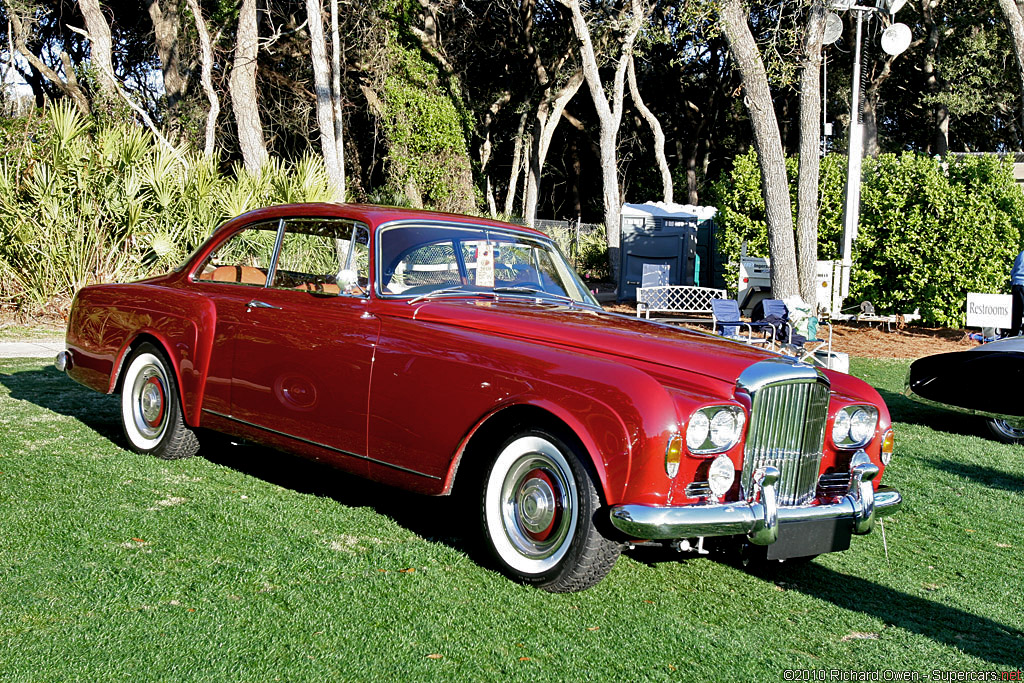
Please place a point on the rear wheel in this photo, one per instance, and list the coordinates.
(539, 501)
(1006, 431)
(150, 408)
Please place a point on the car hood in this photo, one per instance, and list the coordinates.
(598, 332)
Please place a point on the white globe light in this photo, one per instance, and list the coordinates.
(896, 39)
(721, 475)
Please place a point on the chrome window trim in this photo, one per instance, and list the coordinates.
(378, 275)
(193, 278)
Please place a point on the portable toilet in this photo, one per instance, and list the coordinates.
(675, 240)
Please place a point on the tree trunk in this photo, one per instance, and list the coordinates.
(775, 185)
(517, 160)
(810, 159)
(69, 88)
(486, 148)
(166, 26)
(609, 114)
(549, 113)
(869, 125)
(933, 84)
(339, 128)
(242, 85)
(1015, 20)
(324, 99)
(101, 45)
(659, 134)
(206, 50)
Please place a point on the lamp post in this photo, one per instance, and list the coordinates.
(895, 40)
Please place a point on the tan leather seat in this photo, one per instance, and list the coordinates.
(244, 274)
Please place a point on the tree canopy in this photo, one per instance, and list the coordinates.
(494, 105)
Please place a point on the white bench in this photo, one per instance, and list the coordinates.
(677, 300)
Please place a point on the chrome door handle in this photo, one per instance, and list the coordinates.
(259, 304)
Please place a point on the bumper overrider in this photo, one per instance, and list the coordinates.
(760, 516)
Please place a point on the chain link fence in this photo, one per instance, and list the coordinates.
(584, 244)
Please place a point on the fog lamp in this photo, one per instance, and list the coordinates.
(721, 475)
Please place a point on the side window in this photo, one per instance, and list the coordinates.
(321, 255)
(244, 258)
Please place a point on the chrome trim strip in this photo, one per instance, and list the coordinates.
(278, 239)
(862, 506)
(321, 445)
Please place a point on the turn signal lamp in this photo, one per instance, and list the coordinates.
(888, 443)
(673, 454)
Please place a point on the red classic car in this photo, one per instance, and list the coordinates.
(448, 354)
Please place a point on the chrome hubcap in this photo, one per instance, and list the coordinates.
(537, 505)
(1013, 430)
(536, 509)
(150, 404)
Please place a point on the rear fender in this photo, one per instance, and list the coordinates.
(181, 324)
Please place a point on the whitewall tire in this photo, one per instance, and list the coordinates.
(151, 414)
(538, 506)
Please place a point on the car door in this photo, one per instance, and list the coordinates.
(303, 345)
(231, 276)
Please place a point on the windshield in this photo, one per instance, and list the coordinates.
(418, 261)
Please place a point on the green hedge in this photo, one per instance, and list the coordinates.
(930, 230)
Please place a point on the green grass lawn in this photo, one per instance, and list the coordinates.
(250, 565)
(16, 332)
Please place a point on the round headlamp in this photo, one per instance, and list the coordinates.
(854, 426)
(697, 431)
(841, 427)
(862, 426)
(714, 429)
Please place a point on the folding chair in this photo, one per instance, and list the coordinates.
(775, 314)
(800, 338)
(725, 314)
(809, 350)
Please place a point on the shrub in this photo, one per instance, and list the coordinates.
(929, 231)
(81, 204)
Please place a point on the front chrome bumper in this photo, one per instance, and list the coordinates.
(759, 517)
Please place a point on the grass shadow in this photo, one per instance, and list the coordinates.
(904, 410)
(972, 634)
(51, 389)
(988, 477)
(434, 518)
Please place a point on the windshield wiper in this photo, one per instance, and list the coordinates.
(539, 293)
(457, 289)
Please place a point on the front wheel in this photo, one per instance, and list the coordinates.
(539, 501)
(1006, 431)
(150, 408)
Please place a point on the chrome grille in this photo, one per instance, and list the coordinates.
(787, 431)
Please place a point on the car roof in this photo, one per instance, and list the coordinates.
(371, 214)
